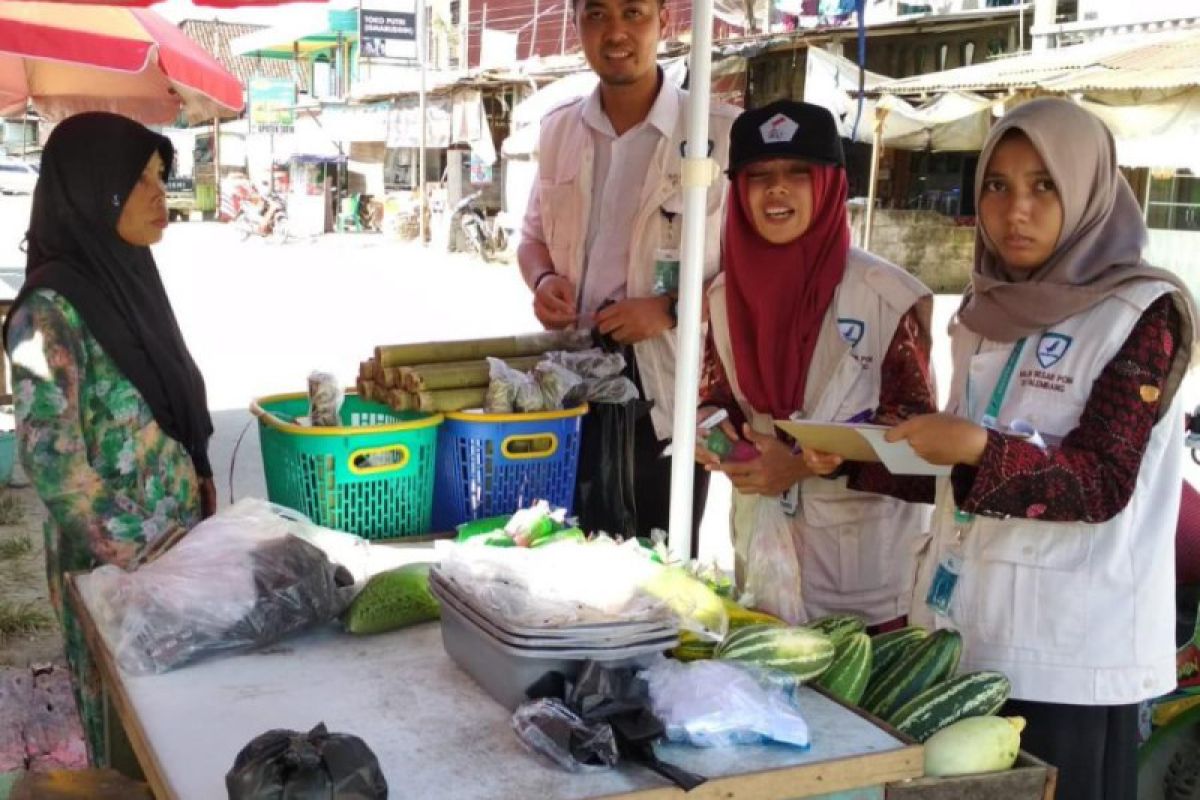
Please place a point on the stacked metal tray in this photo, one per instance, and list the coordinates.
(506, 659)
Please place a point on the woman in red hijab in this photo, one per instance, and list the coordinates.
(803, 325)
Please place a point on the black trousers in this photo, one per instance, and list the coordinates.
(1094, 747)
(652, 485)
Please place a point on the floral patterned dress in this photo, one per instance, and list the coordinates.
(112, 480)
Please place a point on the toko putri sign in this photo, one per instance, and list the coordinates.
(388, 29)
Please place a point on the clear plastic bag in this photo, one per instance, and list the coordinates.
(556, 383)
(239, 580)
(547, 727)
(721, 704)
(589, 364)
(325, 398)
(773, 565)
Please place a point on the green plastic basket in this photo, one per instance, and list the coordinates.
(372, 477)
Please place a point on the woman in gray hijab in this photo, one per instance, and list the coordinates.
(1052, 547)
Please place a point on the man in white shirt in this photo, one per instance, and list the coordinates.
(606, 198)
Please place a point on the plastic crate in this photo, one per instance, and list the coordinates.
(493, 464)
(372, 477)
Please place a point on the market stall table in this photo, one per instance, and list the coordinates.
(436, 733)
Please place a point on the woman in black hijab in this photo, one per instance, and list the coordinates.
(112, 418)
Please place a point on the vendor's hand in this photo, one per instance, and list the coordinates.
(208, 498)
(554, 302)
(635, 320)
(942, 438)
(819, 462)
(772, 473)
(704, 456)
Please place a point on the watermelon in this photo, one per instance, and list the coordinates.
(846, 678)
(888, 648)
(393, 599)
(930, 662)
(976, 694)
(800, 653)
(838, 626)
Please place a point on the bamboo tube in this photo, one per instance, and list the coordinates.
(451, 399)
(458, 374)
(366, 369)
(392, 377)
(528, 344)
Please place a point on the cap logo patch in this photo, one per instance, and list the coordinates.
(779, 128)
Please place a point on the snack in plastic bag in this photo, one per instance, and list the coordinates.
(283, 763)
(589, 364)
(237, 581)
(556, 383)
(549, 728)
(720, 704)
(772, 565)
(325, 398)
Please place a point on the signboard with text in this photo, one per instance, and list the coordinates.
(272, 105)
(388, 30)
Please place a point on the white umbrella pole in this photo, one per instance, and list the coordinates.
(698, 175)
(422, 56)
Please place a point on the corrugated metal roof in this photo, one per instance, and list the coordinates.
(1162, 61)
(214, 36)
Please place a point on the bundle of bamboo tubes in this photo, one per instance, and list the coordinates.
(451, 376)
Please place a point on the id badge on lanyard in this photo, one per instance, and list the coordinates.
(950, 567)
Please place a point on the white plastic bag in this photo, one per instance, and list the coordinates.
(773, 565)
(720, 704)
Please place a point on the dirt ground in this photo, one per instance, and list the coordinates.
(23, 583)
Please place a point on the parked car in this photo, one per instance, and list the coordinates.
(17, 177)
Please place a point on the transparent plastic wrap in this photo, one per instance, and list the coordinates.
(592, 364)
(325, 398)
(556, 384)
(237, 581)
(572, 583)
(566, 583)
(503, 382)
(772, 565)
(721, 704)
(547, 727)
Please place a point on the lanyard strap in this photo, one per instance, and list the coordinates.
(993, 409)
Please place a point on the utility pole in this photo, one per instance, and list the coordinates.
(1045, 12)
(423, 57)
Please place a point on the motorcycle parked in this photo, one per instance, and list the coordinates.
(482, 237)
(249, 221)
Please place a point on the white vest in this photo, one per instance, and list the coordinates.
(565, 162)
(1071, 612)
(857, 550)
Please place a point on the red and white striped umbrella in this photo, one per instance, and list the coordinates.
(74, 57)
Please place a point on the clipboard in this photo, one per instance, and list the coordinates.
(856, 441)
(840, 438)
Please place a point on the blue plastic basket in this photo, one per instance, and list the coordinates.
(493, 464)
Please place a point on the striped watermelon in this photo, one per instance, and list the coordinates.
(976, 694)
(846, 678)
(930, 662)
(838, 626)
(888, 648)
(801, 653)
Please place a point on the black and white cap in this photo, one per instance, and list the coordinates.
(785, 129)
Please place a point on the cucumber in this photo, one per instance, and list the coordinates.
(393, 599)
(976, 694)
(838, 626)
(846, 678)
(974, 745)
(888, 648)
(930, 662)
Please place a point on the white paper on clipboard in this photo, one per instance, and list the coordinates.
(860, 442)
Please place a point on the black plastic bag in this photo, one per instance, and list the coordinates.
(604, 486)
(318, 765)
(604, 696)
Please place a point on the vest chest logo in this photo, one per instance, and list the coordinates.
(852, 330)
(1051, 348)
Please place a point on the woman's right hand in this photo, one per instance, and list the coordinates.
(554, 302)
(821, 463)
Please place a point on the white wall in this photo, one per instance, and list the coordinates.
(1116, 11)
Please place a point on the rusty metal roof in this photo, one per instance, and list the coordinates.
(1166, 61)
(214, 36)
